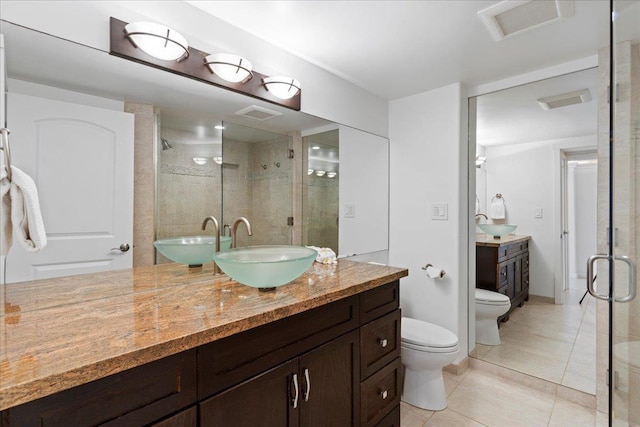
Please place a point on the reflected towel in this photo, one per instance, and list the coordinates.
(497, 209)
(325, 255)
(20, 214)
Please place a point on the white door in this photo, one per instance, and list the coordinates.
(81, 159)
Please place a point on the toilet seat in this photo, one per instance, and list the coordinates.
(486, 297)
(427, 337)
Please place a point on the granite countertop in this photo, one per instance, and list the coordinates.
(483, 239)
(59, 333)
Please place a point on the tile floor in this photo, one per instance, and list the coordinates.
(556, 343)
(479, 398)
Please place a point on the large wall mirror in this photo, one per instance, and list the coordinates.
(186, 167)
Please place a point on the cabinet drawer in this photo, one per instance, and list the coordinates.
(503, 275)
(379, 301)
(392, 419)
(186, 418)
(380, 393)
(134, 397)
(502, 253)
(525, 280)
(525, 261)
(379, 343)
(231, 360)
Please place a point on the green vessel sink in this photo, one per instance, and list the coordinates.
(497, 230)
(191, 250)
(265, 267)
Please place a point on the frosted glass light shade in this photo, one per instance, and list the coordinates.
(232, 68)
(331, 174)
(282, 87)
(320, 173)
(200, 160)
(158, 40)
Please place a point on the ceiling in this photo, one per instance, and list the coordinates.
(399, 48)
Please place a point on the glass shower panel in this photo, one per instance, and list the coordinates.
(257, 183)
(320, 190)
(625, 210)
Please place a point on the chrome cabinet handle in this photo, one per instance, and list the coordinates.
(383, 342)
(295, 387)
(123, 248)
(383, 394)
(632, 278)
(590, 285)
(308, 385)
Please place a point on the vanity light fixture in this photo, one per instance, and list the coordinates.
(218, 160)
(309, 171)
(229, 67)
(315, 147)
(331, 174)
(320, 173)
(282, 87)
(157, 40)
(219, 127)
(200, 160)
(480, 161)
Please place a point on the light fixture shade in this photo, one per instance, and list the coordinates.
(218, 160)
(200, 160)
(232, 68)
(282, 87)
(157, 40)
(320, 173)
(331, 174)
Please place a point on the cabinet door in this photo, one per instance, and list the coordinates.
(270, 399)
(330, 378)
(518, 275)
(511, 279)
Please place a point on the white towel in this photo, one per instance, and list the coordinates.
(497, 209)
(20, 212)
(325, 255)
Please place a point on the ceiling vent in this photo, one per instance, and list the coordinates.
(258, 113)
(512, 17)
(571, 98)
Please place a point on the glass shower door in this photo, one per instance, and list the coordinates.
(624, 213)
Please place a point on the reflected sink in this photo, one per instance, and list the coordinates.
(191, 250)
(497, 230)
(265, 267)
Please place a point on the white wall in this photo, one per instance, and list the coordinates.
(87, 22)
(364, 185)
(524, 175)
(585, 220)
(425, 132)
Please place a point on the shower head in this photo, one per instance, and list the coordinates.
(165, 144)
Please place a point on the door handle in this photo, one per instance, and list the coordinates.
(590, 286)
(308, 385)
(632, 278)
(296, 390)
(123, 248)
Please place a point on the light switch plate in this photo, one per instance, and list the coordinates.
(538, 213)
(440, 211)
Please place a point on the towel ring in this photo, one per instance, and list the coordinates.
(7, 151)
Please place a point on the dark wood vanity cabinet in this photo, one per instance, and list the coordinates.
(504, 267)
(334, 365)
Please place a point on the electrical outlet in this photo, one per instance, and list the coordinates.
(440, 211)
(349, 211)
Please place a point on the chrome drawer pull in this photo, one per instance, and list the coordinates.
(383, 342)
(308, 383)
(383, 394)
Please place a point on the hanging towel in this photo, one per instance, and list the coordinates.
(497, 209)
(20, 214)
(477, 205)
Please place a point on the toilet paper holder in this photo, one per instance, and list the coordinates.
(441, 273)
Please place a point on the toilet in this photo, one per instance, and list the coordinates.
(426, 349)
(489, 306)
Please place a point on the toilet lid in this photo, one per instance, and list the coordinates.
(484, 296)
(425, 334)
(628, 353)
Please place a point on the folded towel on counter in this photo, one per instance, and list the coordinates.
(497, 209)
(325, 255)
(20, 215)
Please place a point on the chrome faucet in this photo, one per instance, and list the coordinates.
(216, 269)
(234, 229)
(481, 214)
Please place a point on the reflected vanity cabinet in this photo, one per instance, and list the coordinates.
(334, 365)
(504, 267)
